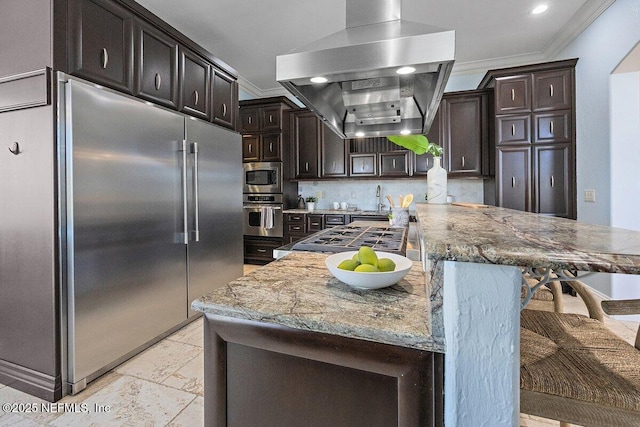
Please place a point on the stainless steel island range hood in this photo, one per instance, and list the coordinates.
(380, 76)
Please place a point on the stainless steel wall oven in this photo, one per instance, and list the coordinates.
(262, 215)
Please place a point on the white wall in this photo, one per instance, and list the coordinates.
(625, 174)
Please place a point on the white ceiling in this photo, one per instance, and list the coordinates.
(249, 34)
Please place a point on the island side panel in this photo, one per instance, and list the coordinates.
(481, 309)
(407, 377)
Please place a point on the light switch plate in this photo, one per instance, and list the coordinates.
(589, 195)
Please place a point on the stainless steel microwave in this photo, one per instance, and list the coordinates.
(262, 177)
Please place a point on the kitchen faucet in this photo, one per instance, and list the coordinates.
(379, 196)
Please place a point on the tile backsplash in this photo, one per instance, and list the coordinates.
(362, 193)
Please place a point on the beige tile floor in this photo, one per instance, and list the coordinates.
(162, 386)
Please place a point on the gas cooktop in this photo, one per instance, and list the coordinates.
(343, 238)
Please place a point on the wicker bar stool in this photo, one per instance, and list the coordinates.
(574, 370)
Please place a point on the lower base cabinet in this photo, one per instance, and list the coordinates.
(259, 250)
(260, 374)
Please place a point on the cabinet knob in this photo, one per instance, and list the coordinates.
(158, 81)
(224, 109)
(196, 97)
(104, 57)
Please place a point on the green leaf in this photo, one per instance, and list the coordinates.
(416, 143)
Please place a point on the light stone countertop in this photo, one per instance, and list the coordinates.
(504, 236)
(339, 212)
(298, 291)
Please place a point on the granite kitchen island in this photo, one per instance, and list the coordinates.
(467, 306)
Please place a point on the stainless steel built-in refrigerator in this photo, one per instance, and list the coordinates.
(150, 220)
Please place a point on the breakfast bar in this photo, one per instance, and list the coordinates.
(292, 318)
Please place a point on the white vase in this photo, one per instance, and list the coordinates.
(311, 206)
(437, 183)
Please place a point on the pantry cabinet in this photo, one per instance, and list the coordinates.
(535, 137)
(265, 128)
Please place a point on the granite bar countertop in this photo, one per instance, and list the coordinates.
(298, 291)
(504, 236)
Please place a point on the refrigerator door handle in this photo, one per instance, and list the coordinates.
(196, 194)
(183, 237)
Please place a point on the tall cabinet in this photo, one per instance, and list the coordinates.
(535, 137)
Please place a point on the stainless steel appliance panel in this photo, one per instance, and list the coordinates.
(127, 271)
(27, 239)
(264, 220)
(262, 177)
(215, 243)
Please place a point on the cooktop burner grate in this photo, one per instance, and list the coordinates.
(343, 238)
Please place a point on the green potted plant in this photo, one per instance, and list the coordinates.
(437, 175)
(311, 203)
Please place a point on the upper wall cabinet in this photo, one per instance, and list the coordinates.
(156, 66)
(265, 128)
(513, 95)
(101, 34)
(194, 84)
(223, 99)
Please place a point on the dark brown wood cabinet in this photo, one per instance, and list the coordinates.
(156, 68)
(306, 132)
(259, 250)
(424, 162)
(101, 37)
(513, 181)
(363, 164)
(552, 172)
(466, 133)
(333, 151)
(295, 227)
(535, 137)
(224, 102)
(121, 45)
(265, 130)
(315, 223)
(194, 84)
(394, 163)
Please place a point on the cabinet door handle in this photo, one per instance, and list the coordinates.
(551, 90)
(250, 120)
(513, 94)
(513, 181)
(551, 126)
(158, 81)
(250, 148)
(224, 109)
(333, 166)
(296, 228)
(552, 181)
(196, 97)
(393, 162)
(513, 129)
(463, 162)
(105, 57)
(270, 118)
(261, 250)
(271, 147)
(315, 223)
(306, 166)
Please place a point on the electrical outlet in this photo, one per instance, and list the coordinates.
(589, 195)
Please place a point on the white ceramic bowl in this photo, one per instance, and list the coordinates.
(364, 280)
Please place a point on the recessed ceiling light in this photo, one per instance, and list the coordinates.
(318, 80)
(405, 70)
(359, 134)
(405, 131)
(539, 9)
